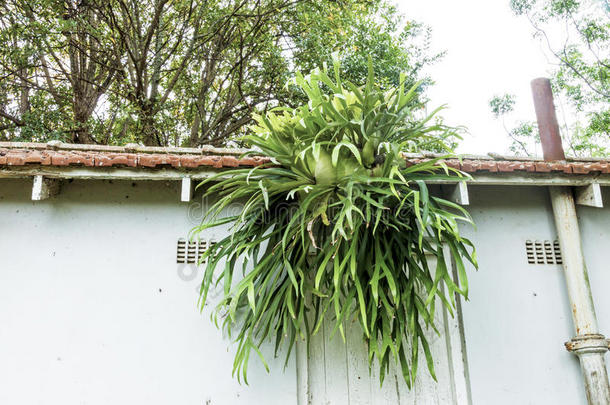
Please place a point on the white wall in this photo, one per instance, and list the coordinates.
(93, 311)
(518, 316)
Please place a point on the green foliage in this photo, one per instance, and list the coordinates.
(338, 227)
(56, 61)
(524, 134)
(182, 72)
(525, 138)
(503, 104)
(368, 30)
(577, 35)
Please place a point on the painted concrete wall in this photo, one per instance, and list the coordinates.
(518, 315)
(94, 309)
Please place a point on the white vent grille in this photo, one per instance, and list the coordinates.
(190, 252)
(543, 252)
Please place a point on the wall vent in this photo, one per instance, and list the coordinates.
(190, 252)
(543, 252)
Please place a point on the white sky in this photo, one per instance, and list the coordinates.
(489, 51)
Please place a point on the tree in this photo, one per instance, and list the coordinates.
(193, 44)
(181, 72)
(577, 36)
(57, 57)
(375, 31)
(241, 71)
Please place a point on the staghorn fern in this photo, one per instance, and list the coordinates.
(338, 226)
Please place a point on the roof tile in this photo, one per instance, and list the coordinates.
(489, 166)
(579, 168)
(452, 163)
(21, 154)
(152, 160)
(542, 167)
(115, 159)
(230, 161)
(14, 158)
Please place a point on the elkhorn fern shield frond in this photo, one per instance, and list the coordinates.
(338, 226)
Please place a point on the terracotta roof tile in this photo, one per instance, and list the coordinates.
(59, 154)
(230, 161)
(557, 166)
(453, 163)
(506, 166)
(469, 166)
(14, 158)
(542, 167)
(488, 166)
(154, 160)
(579, 168)
(114, 159)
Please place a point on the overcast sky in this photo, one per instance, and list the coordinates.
(489, 51)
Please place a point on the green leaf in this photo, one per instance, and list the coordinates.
(318, 229)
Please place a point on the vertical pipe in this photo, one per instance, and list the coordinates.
(547, 119)
(577, 280)
(589, 345)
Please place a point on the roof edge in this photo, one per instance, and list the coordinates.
(212, 150)
(516, 178)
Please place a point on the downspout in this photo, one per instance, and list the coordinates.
(589, 345)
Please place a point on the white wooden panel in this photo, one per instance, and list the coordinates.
(339, 374)
(358, 366)
(388, 393)
(302, 375)
(456, 352)
(335, 359)
(316, 371)
(428, 391)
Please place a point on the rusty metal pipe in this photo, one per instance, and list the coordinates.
(589, 345)
(547, 119)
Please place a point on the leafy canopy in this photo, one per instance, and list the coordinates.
(181, 72)
(338, 228)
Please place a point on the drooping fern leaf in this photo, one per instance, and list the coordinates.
(338, 226)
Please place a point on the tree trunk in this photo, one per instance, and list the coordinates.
(24, 99)
(194, 138)
(150, 134)
(81, 116)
